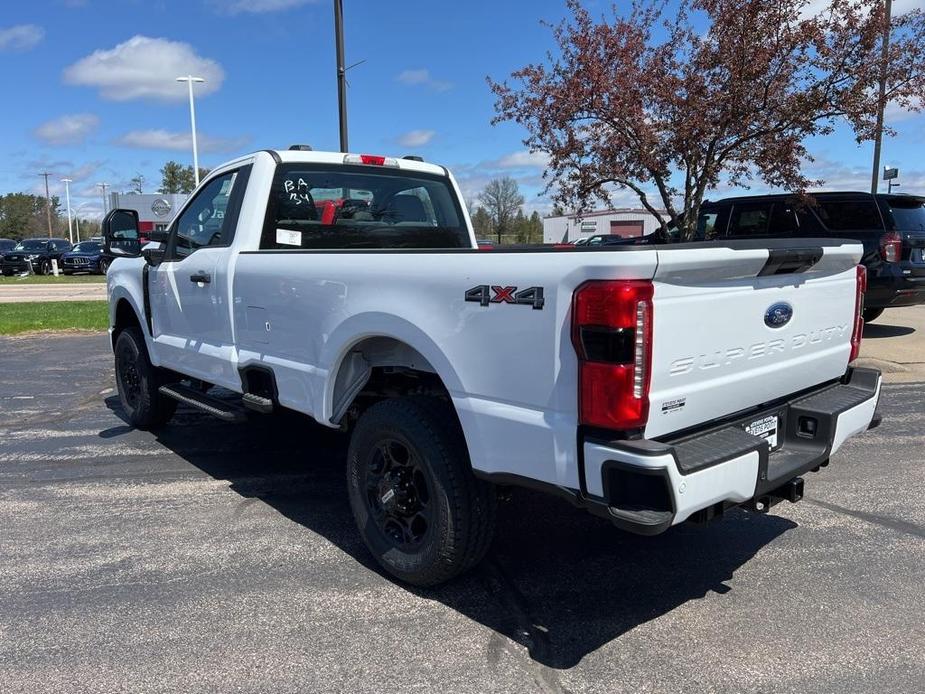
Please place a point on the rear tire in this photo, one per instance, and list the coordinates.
(137, 381)
(872, 314)
(421, 512)
(104, 266)
(44, 267)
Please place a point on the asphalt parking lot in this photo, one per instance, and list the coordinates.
(214, 557)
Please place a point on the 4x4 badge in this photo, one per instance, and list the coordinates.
(486, 294)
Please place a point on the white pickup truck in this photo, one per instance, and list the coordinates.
(649, 384)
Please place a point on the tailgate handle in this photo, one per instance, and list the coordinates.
(784, 261)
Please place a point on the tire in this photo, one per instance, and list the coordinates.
(44, 267)
(137, 381)
(104, 266)
(872, 314)
(7, 273)
(438, 520)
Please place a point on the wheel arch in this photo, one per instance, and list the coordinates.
(396, 349)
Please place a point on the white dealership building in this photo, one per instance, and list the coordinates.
(622, 222)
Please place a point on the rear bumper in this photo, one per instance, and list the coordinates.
(647, 486)
(895, 284)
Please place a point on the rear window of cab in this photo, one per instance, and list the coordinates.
(314, 206)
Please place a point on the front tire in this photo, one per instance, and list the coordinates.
(872, 314)
(44, 267)
(137, 381)
(104, 266)
(421, 512)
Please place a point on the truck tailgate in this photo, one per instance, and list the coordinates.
(722, 340)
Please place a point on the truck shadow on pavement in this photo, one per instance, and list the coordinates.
(874, 330)
(557, 581)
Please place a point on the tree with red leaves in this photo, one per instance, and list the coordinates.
(679, 96)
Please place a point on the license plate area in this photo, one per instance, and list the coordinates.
(765, 427)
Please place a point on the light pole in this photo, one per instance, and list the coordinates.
(189, 79)
(881, 103)
(341, 72)
(67, 196)
(77, 217)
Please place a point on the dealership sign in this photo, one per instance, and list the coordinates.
(160, 207)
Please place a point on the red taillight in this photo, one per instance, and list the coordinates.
(858, 313)
(612, 335)
(372, 159)
(891, 247)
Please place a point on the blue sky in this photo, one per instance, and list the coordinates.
(91, 93)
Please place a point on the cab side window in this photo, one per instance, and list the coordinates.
(750, 219)
(211, 217)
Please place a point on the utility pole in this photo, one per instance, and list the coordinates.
(881, 102)
(189, 79)
(67, 196)
(341, 72)
(47, 202)
(103, 187)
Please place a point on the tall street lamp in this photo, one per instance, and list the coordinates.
(67, 196)
(77, 218)
(189, 79)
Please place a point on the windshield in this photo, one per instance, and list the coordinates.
(86, 247)
(31, 245)
(908, 215)
(314, 206)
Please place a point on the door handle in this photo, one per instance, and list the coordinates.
(200, 276)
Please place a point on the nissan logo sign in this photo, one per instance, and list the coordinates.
(160, 207)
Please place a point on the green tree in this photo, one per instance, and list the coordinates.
(502, 200)
(138, 184)
(23, 215)
(176, 178)
(481, 222)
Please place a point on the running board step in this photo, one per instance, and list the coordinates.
(257, 403)
(201, 401)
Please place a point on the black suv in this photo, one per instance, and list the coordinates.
(891, 228)
(39, 252)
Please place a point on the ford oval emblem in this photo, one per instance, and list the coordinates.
(778, 315)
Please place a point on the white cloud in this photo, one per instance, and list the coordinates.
(416, 138)
(179, 142)
(145, 68)
(421, 77)
(900, 7)
(21, 37)
(67, 130)
(258, 6)
(524, 160)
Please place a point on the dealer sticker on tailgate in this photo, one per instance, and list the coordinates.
(766, 428)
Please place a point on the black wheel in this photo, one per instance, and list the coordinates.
(872, 314)
(104, 266)
(422, 513)
(137, 381)
(44, 267)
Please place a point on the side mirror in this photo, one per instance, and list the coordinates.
(120, 234)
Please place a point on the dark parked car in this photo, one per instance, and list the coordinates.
(38, 252)
(611, 240)
(86, 256)
(891, 228)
